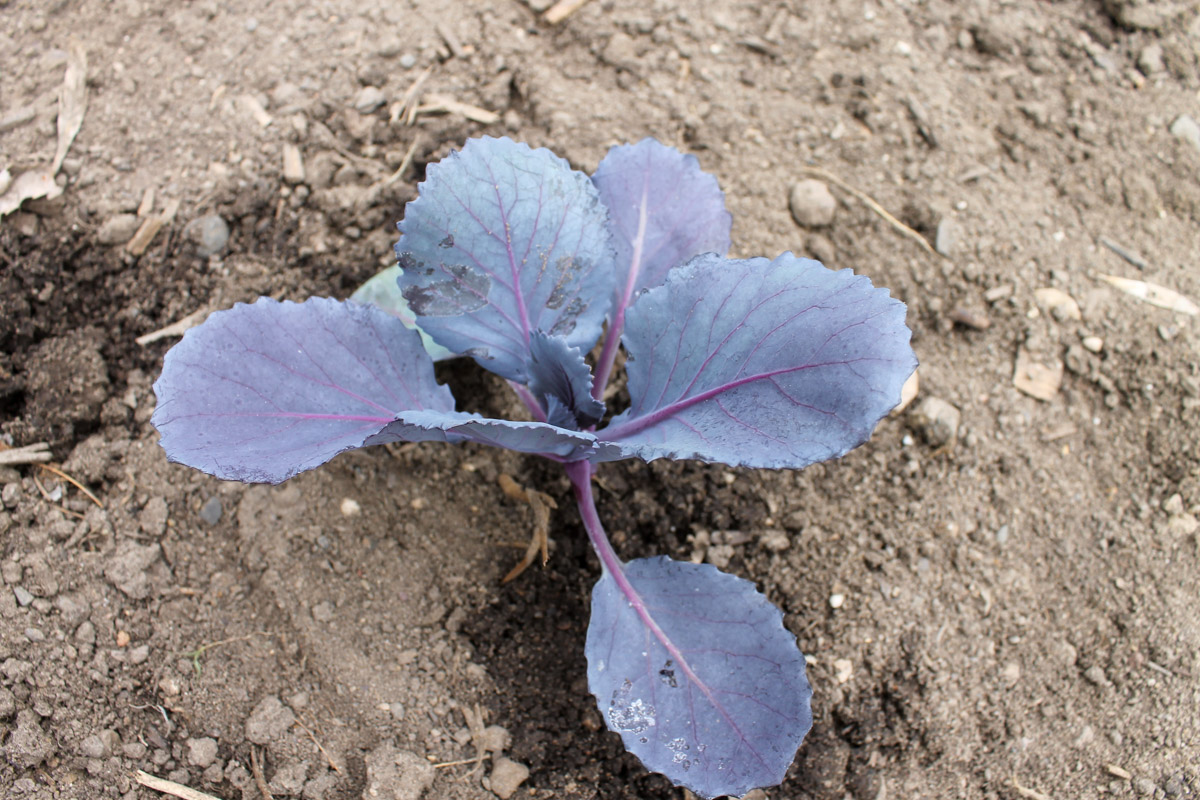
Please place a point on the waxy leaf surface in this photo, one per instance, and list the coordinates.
(695, 671)
(663, 210)
(503, 241)
(759, 363)
(262, 392)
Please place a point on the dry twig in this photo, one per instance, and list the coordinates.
(170, 787)
(874, 206)
(324, 752)
(29, 454)
(73, 482)
(1029, 794)
(259, 779)
(177, 328)
(541, 504)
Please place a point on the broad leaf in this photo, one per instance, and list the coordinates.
(560, 377)
(760, 363)
(663, 210)
(262, 392)
(381, 290)
(695, 671)
(505, 240)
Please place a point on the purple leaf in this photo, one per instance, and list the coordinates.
(503, 241)
(695, 671)
(559, 376)
(663, 210)
(760, 363)
(262, 392)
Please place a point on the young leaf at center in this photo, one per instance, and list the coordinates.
(505, 240)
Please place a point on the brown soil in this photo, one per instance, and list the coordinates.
(1019, 604)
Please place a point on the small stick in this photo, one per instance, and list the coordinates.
(1128, 255)
(1029, 794)
(177, 328)
(561, 10)
(259, 780)
(73, 482)
(459, 763)
(320, 747)
(874, 206)
(29, 454)
(170, 787)
(404, 164)
(46, 498)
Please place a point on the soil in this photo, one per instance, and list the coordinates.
(996, 606)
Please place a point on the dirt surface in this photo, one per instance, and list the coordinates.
(998, 593)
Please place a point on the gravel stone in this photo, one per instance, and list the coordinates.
(1150, 59)
(507, 775)
(210, 235)
(24, 598)
(937, 421)
(269, 720)
(118, 229)
(368, 99)
(202, 752)
(1186, 128)
(1095, 675)
(211, 511)
(153, 518)
(812, 204)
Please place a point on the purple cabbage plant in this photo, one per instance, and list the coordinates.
(513, 258)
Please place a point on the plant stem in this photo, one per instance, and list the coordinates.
(580, 473)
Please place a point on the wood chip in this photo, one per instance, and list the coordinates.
(561, 10)
(146, 207)
(170, 787)
(29, 186)
(150, 228)
(451, 39)
(1117, 772)
(16, 118)
(970, 317)
(254, 108)
(1036, 379)
(921, 118)
(1058, 302)
(72, 101)
(440, 103)
(1153, 294)
(293, 164)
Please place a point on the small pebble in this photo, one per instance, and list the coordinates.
(1150, 60)
(202, 752)
(210, 512)
(507, 775)
(34, 635)
(118, 229)
(1186, 128)
(24, 598)
(209, 233)
(1093, 344)
(123, 638)
(937, 421)
(843, 669)
(293, 164)
(837, 600)
(946, 240)
(971, 318)
(1144, 786)
(408, 61)
(368, 99)
(812, 204)
(1095, 675)
(350, 507)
